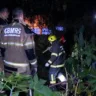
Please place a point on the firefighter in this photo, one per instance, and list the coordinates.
(56, 62)
(4, 13)
(3, 21)
(17, 42)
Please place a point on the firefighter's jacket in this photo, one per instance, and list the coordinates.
(2, 23)
(57, 55)
(17, 42)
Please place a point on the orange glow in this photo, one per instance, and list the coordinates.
(27, 21)
(37, 22)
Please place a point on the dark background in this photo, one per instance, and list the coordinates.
(72, 10)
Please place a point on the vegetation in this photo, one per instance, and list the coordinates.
(17, 83)
(80, 74)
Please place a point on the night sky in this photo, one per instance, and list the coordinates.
(74, 9)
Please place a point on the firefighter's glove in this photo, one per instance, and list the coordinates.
(33, 70)
(47, 65)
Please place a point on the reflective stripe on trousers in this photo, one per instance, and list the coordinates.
(53, 80)
(53, 72)
(20, 68)
(16, 64)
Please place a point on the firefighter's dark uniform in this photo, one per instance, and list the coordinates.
(18, 45)
(56, 61)
(2, 24)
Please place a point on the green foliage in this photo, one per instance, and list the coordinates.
(17, 83)
(39, 88)
(81, 76)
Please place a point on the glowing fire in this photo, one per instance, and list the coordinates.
(37, 22)
(27, 21)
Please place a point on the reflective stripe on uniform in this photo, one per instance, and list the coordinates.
(15, 64)
(28, 43)
(52, 82)
(49, 61)
(61, 53)
(52, 79)
(33, 63)
(12, 43)
(57, 66)
(4, 43)
(55, 54)
(17, 44)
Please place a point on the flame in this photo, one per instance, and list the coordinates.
(38, 22)
(27, 21)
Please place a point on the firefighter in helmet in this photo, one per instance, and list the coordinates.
(56, 61)
(16, 40)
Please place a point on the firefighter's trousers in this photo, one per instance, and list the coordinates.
(1, 65)
(53, 72)
(21, 70)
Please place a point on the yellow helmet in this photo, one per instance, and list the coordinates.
(52, 38)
